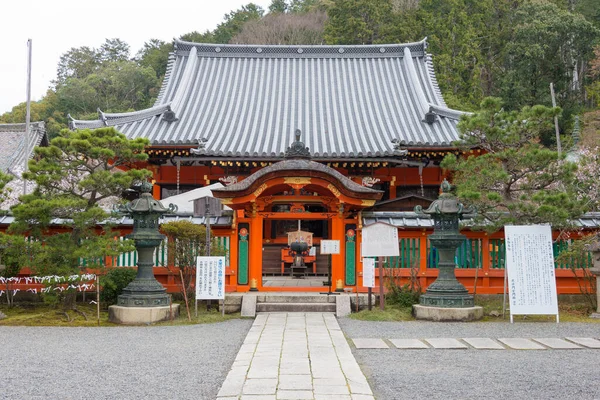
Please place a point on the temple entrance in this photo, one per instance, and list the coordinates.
(284, 267)
(283, 212)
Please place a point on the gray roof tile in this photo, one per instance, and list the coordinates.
(12, 150)
(349, 101)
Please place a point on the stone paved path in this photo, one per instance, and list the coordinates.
(295, 356)
(570, 343)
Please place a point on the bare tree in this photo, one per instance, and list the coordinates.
(283, 28)
(405, 5)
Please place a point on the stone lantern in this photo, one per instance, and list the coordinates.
(144, 300)
(446, 299)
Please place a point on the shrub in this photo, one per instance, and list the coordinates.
(113, 283)
(403, 295)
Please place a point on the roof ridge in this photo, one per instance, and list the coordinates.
(20, 126)
(112, 119)
(387, 50)
(179, 43)
(166, 79)
(186, 81)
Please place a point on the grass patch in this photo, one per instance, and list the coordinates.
(492, 312)
(39, 314)
(390, 313)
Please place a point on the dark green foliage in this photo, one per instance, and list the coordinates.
(155, 54)
(234, 21)
(548, 44)
(360, 22)
(278, 6)
(4, 191)
(73, 175)
(516, 180)
(113, 283)
(402, 296)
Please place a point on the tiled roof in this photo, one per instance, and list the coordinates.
(246, 101)
(409, 219)
(302, 168)
(12, 148)
(224, 220)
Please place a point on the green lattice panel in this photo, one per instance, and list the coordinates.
(243, 258)
(350, 262)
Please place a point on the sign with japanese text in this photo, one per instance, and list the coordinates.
(330, 247)
(380, 240)
(368, 272)
(210, 278)
(530, 270)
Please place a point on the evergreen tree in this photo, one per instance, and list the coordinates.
(515, 180)
(77, 173)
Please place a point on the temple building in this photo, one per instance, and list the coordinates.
(316, 139)
(17, 147)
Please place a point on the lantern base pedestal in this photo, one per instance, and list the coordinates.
(462, 314)
(141, 315)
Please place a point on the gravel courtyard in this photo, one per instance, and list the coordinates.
(477, 374)
(179, 362)
(191, 362)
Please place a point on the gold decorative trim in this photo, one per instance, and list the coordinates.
(393, 181)
(333, 190)
(261, 189)
(368, 203)
(297, 181)
(227, 201)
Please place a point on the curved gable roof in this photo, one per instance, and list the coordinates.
(245, 100)
(12, 152)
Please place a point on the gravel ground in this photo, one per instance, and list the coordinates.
(477, 374)
(180, 362)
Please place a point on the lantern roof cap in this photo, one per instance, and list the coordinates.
(146, 203)
(447, 203)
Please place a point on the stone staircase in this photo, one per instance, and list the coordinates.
(295, 303)
(250, 303)
(253, 303)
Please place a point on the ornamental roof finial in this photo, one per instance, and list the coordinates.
(297, 149)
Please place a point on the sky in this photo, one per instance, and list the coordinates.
(56, 26)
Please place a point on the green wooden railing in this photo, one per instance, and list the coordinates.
(409, 254)
(468, 255)
(129, 259)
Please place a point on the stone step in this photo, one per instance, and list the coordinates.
(295, 307)
(267, 298)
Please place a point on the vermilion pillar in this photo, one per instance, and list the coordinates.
(256, 249)
(337, 260)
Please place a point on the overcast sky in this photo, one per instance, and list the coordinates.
(55, 26)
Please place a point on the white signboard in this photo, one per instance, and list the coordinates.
(330, 247)
(530, 270)
(210, 278)
(368, 272)
(379, 239)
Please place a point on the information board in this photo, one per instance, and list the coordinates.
(330, 247)
(210, 278)
(530, 270)
(368, 272)
(379, 239)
